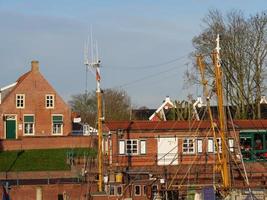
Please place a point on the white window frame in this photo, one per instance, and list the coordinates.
(49, 102)
(140, 190)
(143, 147)
(219, 142)
(186, 149)
(144, 190)
(117, 193)
(126, 147)
(33, 124)
(122, 147)
(210, 146)
(61, 124)
(231, 144)
(21, 101)
(115, 189)
(199, 146)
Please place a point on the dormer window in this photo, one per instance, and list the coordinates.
(20, 100)
(49, 101)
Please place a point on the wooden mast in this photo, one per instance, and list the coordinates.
(99, 125)
(96, 65)
(224, 162)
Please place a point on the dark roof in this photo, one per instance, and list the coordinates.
(142, 114)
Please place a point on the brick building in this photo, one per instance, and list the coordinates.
(153, 153)
(31, 107)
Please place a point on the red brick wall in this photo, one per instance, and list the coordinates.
(150, 158)
(49, 192)
(48, 142)
(35, 87)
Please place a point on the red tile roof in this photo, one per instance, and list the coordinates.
(19, 80)
(179, 125)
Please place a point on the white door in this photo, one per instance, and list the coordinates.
(167, 151)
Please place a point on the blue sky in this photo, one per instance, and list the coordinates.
(134, 37)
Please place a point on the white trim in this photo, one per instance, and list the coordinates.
(53, 98)
(137, 146)
(188, 147)
(62, 127)
(33, 125)
(140, 190)
(8, 86)
(119, 186)
(5, 115)
(23, 100)
(143, 147)
(219, 142)
(231, 144)
(210, 145)
(167, 100)
(121, 147)
(144, 188)
(199, 146)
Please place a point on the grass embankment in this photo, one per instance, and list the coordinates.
(41, 159)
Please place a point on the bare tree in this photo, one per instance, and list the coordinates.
(243, 57)
(85, 106)
(116, 105)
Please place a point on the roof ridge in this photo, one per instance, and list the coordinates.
(19, 80)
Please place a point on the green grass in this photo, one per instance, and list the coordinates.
(41, 159)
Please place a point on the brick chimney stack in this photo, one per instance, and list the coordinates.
(35, 65)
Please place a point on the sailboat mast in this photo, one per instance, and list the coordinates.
(219, 90)
(99, 120)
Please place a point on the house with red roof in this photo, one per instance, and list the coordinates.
(31, 107)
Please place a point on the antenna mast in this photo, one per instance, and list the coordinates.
(86, 63)
(95, 64)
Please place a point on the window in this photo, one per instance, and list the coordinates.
(143, 147)
(20, 100)
(144, 190)
(231, 144)
(60, 197)
(210, 145)
(115, 190)
(131, 147)
(112, 190)
(119, 190)
(199, 146)
(219, 143)
(49, 101)
(29, 124)
(188, 146)
(57, 124)
(258, 141)
(154, 191)
(121, 147)
(137, 190)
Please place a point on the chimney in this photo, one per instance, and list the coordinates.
(35, 65)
